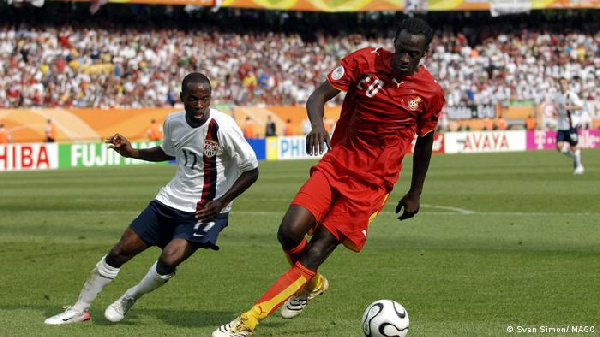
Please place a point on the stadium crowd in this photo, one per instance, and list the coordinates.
(62, 64)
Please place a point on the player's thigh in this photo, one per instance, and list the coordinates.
(128, 246)
(296, 223)
(573, 138)
(310, 205)
(349, 217)
(177, 251)
(130, 243)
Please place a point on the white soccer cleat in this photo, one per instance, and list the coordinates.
(579, 170)
(297, 303)
(117, 311)
(236, 328)
(70, 315)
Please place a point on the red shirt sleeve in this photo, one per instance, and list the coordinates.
(346, 74)
(429, 120)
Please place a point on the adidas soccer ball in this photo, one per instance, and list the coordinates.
(385, 318)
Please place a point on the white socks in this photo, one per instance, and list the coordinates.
(577, 157)
(103, 274)
(100, 276)
(150, 282)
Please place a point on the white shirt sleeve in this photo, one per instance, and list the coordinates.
(574, 100)
(167, 143)
(236, 146)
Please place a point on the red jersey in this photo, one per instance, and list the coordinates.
(380, 115)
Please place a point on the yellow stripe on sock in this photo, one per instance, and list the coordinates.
(261, 310)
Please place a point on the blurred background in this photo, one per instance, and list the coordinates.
(85, 69)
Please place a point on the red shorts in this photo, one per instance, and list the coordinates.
(345, 208)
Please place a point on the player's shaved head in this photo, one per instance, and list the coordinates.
(194, 78)
(415, 26)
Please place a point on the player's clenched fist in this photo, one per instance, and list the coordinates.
(120, 144)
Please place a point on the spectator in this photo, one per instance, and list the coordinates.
(248, 128)
(50, 131)
(5, 136)
(530, 123)
(500, 122)
(488, 124)
(154, 131)
(289, 128)
(270, 127)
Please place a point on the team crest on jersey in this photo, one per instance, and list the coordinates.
(210, 148)
(413, 104)
(337, 73)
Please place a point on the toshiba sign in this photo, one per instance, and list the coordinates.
(19, 157)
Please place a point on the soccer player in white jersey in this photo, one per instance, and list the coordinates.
(215, 164)
(569, 105)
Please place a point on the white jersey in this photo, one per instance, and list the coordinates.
(209, 159)
(567, 99)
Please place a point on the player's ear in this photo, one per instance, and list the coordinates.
(181, 95)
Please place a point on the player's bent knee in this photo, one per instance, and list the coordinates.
(120, 254)
(289, 238)
(165, 267)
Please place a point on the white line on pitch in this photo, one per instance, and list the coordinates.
(448, 208)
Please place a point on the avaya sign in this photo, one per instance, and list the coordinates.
(485, 141)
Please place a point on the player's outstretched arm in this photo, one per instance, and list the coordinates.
(315, 108)
(411, 201)
(207, 212)
(122, 146)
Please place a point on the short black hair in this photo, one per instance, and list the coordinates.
(194, 78)
(416, 26)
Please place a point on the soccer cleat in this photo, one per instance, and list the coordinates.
(579, 170)
(236, 328)
(297, 303)
(70, 315)
(117, 311)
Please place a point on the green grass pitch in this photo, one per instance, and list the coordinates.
(501, 239)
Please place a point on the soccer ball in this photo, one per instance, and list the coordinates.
(385, 318)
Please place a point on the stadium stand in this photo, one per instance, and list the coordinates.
(70, 59)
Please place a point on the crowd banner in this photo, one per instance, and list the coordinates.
(484, 141)
(369, 5)
(546, 140)
(486, 5)
(470, 111)
(504, 7)
(319, 5)
(28, 157)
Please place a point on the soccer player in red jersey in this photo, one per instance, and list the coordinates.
(389, 99)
